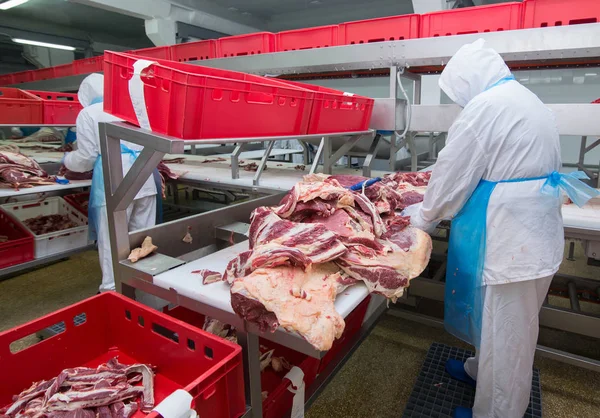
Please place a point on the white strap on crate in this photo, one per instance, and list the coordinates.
(176, 405)
(136, 93)
(296, 376)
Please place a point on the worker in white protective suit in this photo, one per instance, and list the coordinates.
(142, 212)
(497, 179)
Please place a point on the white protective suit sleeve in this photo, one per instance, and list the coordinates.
(84, 157)
(458, 170)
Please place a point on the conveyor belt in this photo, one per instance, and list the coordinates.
(217, 294)
(587, 217)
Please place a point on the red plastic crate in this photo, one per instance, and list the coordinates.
(335, 111)
(43, 74)
(79, 201)
(391, 28)
(251, 44)
(18, 106)
(88, 65)
(59, 107)
(279, 400)
(318, 37)
(194, 51)
(6, 79)
(185, 357)
(492, 18)
(23, 77)
(190, 101)
(354, 322)
(20, 246)
(159, 52)
(543, 13)
(64, 70)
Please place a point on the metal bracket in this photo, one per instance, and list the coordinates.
(235, 160)
(263, 163)
(371, 156)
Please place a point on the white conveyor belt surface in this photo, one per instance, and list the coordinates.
(43, 189)
(587, 217)
(217, 294)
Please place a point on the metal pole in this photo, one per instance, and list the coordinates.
(235, 161)
(317, 157)
(573, 297)
(251, 359)
(571, 256)
(327, 154)
(263, 163)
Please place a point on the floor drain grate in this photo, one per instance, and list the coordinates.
(435, 394)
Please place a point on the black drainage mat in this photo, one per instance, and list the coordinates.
(436, 394)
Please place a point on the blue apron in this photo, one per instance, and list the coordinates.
(463, 299)
(97, 200)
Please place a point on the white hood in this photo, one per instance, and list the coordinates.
(471, 71)
(92, 87)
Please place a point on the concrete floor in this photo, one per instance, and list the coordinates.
(375, 382)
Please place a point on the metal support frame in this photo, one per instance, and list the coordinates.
(371, 156)
(235, 161)
(583, 150)
(263, 163)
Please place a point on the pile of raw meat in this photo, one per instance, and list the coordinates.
(45, 224)
(109, 391)
(74, 175)
(18, 171)
(320, 240)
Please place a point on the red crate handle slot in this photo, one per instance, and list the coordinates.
(258, 97)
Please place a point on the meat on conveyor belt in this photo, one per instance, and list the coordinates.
(45, 224)
(87, 392)
(319, 240)
(73, 175)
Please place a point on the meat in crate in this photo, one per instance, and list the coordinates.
(156, 353)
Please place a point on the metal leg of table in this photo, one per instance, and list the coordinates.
(251, 354)
(371, 156)
(317, 157)
(235, 161)
(327, 152)
(263, 163)
(120, 191)
(413, 151)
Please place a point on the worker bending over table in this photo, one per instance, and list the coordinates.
(497, 179)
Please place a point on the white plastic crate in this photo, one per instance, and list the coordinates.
(54, 242)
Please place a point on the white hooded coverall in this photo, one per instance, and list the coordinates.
(504, 132)
(142, 212)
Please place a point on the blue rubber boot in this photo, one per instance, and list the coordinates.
(462, 412)
(456, 369)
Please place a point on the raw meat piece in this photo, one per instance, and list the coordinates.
(84, 392)
(146, 249)
(220, 329)
(73, 175)
(312, 187)
(214, 160)
(313, 240)
(301, 301)
(19, 171)
(45, 224)
(389, 272)
(208, 276)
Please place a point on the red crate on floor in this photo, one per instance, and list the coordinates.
(279, 400)
(43, 74)
(19, 247)
(319, 37)
(543, 13)
(251, 44)
(18, 106)
(158, 52)
(64, 70)
(22, 77)
(190, 101)
(185, 357)
(59, 107)
(391, 28)
(354, 322)
(335, 111)
(88, 65)
(194, 51)
(6, 79)
(80, 202)
(492, 18)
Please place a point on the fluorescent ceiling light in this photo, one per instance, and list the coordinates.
(591, 74)
(44, 44)
(11, 3)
